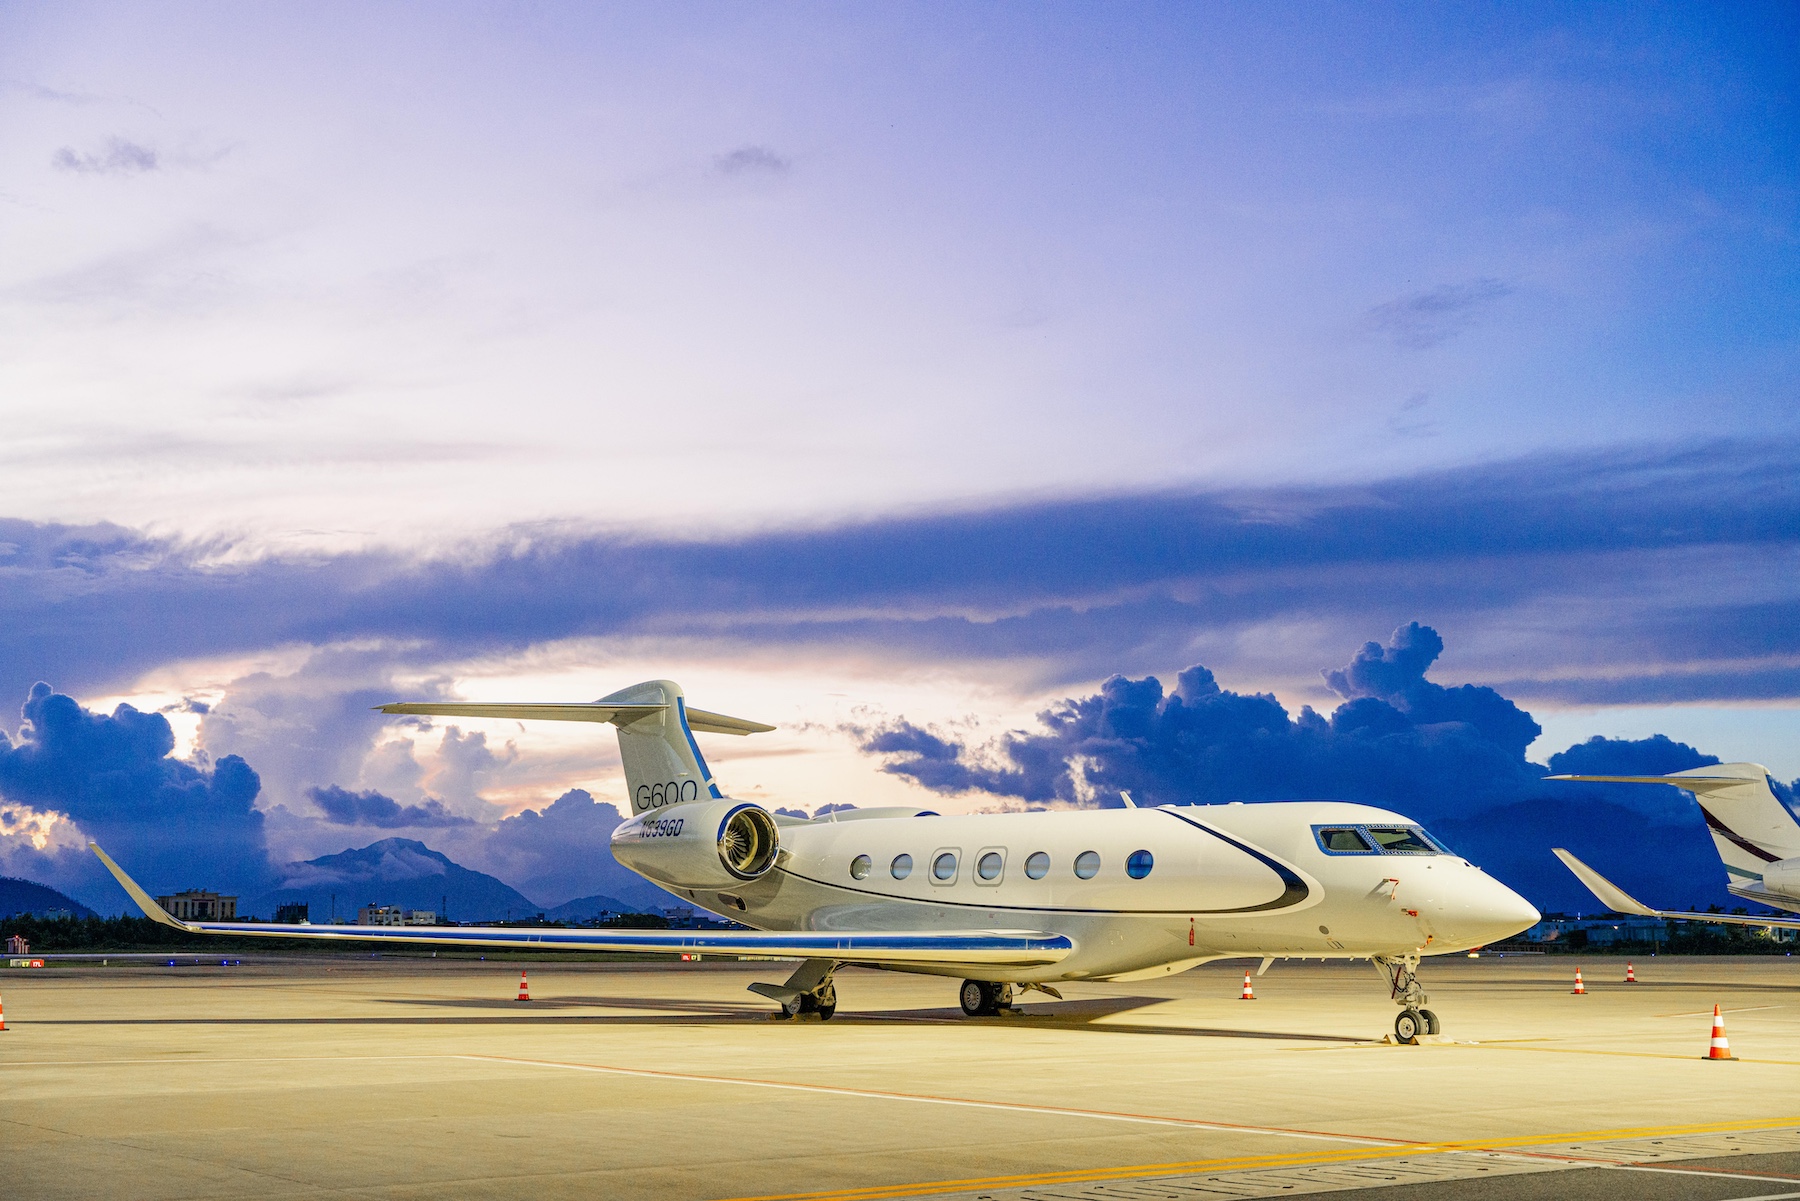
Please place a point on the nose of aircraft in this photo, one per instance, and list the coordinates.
(1487, 911)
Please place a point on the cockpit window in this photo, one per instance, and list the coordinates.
(1402, 840)
(1344, 840)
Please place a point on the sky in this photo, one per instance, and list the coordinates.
(876, 369)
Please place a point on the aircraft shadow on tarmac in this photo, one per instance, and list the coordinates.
(1087, 1014)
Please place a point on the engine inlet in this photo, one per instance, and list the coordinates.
(747, 842)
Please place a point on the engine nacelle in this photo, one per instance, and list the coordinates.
(711, 844)
(1783, 877)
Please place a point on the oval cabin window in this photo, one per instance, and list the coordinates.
(944, 866)
(1037, 865)
(860, 867)
(989, 865)
(1138, 864)
(1087, 864)
(902, 867)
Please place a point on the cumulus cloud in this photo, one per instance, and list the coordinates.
(752, 160)
(1453, 757)
(370, 808)
(561, 852)
(1422, 320)
(120, 156)
(180, 823)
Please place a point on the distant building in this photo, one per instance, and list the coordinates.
(297, 913)
(16, 945)
(198, 905)
(1559, 931)
(681, 917)
(394, 915)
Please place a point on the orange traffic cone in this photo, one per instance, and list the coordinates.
(1721, 1046)
(1249, 994)
(1580, 988)
(1630, 976)
(524, 992)
(2, 1017)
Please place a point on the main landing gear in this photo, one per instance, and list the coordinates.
(981, 998)
(808, 990)
(984, 998)
(1403, 981)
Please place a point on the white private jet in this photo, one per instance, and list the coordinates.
(1757, 838)
(1007, 901)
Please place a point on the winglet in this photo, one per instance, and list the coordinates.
(1610, 894)
(145, 901)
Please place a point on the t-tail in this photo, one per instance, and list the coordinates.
(663, 763)
(1757, 837)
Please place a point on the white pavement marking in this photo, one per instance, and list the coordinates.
(925, 1099)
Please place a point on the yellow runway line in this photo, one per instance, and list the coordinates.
(1293, 1160)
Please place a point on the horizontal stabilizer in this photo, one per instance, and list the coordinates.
(974, 948)
(1691, 783)
(1620, 901)
(619, 714)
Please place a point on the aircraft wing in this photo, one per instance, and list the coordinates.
(1010, 948)
(1620, 901)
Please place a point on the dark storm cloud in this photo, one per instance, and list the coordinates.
(120, 157)
(182, 823)
(345, 808)
(1625, 567)
(1452, 757)
(752, 160)
(1426, 319)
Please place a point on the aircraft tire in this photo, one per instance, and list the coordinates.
(977, 997)
(1408, 1026)
(826, 1003)
(1431, 1021)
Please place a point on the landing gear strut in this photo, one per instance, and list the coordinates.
(1403, 982)
(981, 997)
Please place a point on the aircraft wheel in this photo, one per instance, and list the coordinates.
(826, 1003)
(791, 1008)
(1431, 1021)
(977, 997)
(1408, 1026)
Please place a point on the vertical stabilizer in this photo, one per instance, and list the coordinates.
(663, 764)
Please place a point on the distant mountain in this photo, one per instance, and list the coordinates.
(583, 908)
(26, 896)
(394, 871)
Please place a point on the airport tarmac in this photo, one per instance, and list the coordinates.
(406, 1077)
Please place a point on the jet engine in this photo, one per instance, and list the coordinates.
(1783, 877)
(712, 844)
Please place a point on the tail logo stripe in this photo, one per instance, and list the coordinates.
(1732, 836)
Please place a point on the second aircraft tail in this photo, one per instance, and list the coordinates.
(1750, 826)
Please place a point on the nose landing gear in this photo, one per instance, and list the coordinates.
(1403, 983)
